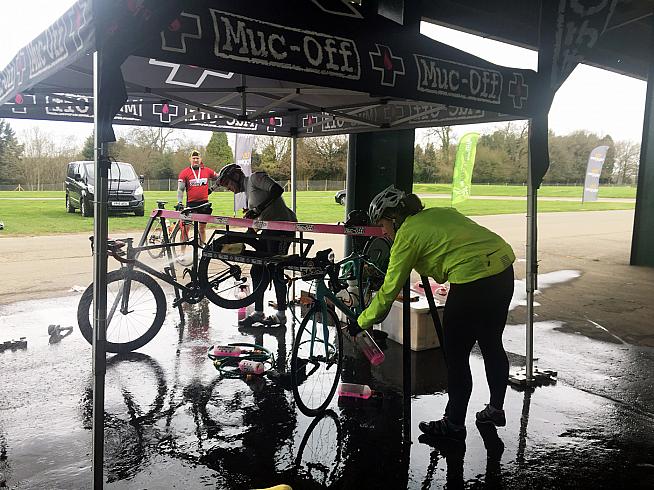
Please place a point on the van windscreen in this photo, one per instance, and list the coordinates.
(118, 171)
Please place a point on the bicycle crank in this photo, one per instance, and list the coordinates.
(193, 293)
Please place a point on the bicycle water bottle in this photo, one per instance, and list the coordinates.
(354, 390)
(251, 367)
(226, 351)
(370, 349)
(243, 292)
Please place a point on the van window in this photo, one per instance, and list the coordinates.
(72, 170)
(118, 171)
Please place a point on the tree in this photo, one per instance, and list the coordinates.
(625, 166)
(88, 150)
(218, 153)
(10, 153)
(276, 156)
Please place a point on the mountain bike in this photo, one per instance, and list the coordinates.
(317, 355)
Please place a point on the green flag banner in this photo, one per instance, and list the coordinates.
(465, 162)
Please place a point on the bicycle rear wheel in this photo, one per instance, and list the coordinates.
(317, 360)
(221, 279)
(132, 325)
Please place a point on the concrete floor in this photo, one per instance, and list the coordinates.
(173, 422)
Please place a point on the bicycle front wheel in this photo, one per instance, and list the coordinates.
(222, 279)
(183, 232)
(131, 322)
(316, 360)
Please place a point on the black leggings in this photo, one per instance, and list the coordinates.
(272, 247)
(476, 312)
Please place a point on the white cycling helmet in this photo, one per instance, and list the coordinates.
(391, 197)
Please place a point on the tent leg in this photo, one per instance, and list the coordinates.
(406, 361)
(532, 270)
(100, 234)
(293, 200)
(532, 376)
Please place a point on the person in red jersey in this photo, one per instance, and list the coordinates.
(194, 179)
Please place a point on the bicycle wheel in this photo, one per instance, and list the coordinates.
(378, 252)
(221, 278)
(131, 328)
(155, 237)
(316, 360)
(183, 233)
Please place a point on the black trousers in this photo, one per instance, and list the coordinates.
(271, 247)
(476, 312)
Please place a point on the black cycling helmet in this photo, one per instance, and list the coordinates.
(227, 170)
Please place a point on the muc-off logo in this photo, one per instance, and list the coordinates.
(223, 220)
(355, 230)
(453, 79)
(260, 225)
(304, 227)
(254, 41)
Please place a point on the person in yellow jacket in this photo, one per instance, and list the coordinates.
(444, 244)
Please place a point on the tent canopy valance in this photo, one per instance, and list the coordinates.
(308, 68)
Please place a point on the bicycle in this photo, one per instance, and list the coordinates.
(182, 229)
(136, 303)
(317, 357)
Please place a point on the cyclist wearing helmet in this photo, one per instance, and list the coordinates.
(264, 201)
(444, 244)
(194, 179)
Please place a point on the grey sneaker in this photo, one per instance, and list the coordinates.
(491, 415)
(256, 317)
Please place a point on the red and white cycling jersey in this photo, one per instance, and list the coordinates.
(197, 182)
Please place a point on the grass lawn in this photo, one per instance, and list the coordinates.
(44, 213)
(519, 190)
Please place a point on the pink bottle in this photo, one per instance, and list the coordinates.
(354, 390)
(370, 348)
(226, 351)
(251, 367)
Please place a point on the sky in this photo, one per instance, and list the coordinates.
(592, 99)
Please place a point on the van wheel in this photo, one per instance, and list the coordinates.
(86, 212)
(69, 207)
(139, 212)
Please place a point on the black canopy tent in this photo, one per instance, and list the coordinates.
(296, 68)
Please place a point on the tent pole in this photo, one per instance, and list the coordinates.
(100, 233)
(294, 194)
(532, 266)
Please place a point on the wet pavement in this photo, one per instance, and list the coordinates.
(174, 422)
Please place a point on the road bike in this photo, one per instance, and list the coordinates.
(317, 356)
(136, 302)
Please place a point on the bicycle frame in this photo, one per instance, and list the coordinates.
(324, 294)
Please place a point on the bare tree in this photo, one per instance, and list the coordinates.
(625, 165)
(44, 158)
(443, 135)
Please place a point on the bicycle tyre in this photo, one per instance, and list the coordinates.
(156, 238)
(85, 312)
(234, 271)
(331, 474)
(305, 397)
(180, 251)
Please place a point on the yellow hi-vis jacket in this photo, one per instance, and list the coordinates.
(443, 244)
